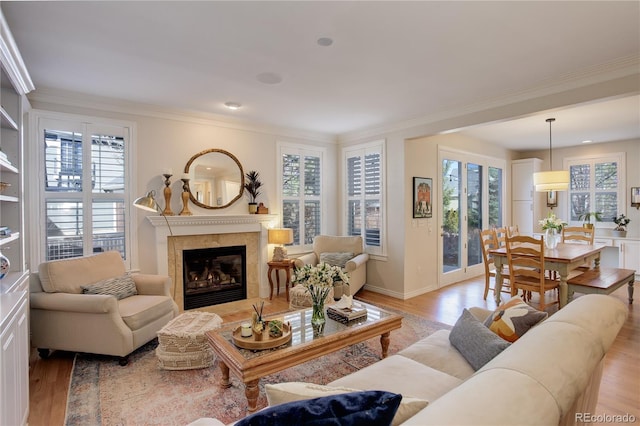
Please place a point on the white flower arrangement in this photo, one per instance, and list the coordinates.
(319, 279)
(552, 222)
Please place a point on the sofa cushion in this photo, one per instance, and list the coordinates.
(120, 287)
(474, 341)
(336, 259)
(513, 319)
(281, 393)
(354, 408)
(399, 374)
(138, 311)
(69, 275)
(437, 352)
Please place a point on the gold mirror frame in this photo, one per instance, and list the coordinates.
(193, 180)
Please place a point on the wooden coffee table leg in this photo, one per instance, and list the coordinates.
(226, 383)
(384, 342)
(252, 391)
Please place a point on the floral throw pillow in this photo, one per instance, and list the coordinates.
(513, 319)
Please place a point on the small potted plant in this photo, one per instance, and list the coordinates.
(275, 328)
(621, 222)
(586, 217)
(252, 185)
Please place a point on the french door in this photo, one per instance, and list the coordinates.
(472, 194)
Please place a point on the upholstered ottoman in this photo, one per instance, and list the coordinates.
(299, 297)
(182, 344)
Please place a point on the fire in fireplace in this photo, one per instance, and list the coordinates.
(214, 275)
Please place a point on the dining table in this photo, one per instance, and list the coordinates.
(563, 259)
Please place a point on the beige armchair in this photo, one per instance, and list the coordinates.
(356, 266)
(64, 318)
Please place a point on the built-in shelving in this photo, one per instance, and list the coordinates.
(14, 286)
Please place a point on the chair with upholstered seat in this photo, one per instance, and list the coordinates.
(91, 304)
(489, 241)
(525, 256)
(344, 251)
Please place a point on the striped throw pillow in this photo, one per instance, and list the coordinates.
(120, 287)
(336, 259)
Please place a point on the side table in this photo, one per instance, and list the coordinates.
(285, 265)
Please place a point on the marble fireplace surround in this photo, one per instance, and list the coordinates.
(203, 231)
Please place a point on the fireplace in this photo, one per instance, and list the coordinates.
(214, 275)
(206, 231)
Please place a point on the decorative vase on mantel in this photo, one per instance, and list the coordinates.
(318, 319)
(253, 208)
(551, 238)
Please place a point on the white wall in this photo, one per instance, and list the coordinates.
(632, 177)
(170, 142)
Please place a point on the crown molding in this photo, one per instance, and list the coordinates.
(12, 60)
(80, 100)
(623, 67)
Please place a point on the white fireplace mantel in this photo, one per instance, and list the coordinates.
(213, 224)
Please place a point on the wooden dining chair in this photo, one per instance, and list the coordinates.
(525, 256)
(578, 234)
(501, 235)
(512, 231)
(489, 241)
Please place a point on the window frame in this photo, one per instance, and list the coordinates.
(38, 197)
(361, 150)
(285, 148)
(620, 159)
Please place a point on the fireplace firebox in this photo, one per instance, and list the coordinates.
(214, 275)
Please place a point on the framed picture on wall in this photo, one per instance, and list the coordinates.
(552, 199)
(422, 206)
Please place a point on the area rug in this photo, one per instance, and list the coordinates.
(102, 392)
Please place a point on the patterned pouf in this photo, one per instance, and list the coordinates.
(299, 297)
(182, 344)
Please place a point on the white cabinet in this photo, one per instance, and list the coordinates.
(527, 205)
(629, 257)
(15, 83)
(14, 358)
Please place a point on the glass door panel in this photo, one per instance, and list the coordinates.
(474, 213)
(451, 225)
(495, 197)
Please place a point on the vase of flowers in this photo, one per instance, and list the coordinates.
(621, 222)
(319, 281)
(552, 227)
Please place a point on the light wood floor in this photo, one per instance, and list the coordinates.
(619, 390)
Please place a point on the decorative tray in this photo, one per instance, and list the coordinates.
(267, 341)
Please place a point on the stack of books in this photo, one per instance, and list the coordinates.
(346, 315)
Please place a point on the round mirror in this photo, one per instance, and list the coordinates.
(216, 179)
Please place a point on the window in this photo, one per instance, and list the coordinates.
(301, 192)
(364, 194)
(84, 188)
(596, 185)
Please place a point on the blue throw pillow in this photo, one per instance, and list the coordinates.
(365, 408)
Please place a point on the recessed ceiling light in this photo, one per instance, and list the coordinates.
(232, 105)
(324, 41)
(587, 141)
(269, 78)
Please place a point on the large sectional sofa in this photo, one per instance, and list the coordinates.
(549, 376)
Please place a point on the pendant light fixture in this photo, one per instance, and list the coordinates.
(551, 180)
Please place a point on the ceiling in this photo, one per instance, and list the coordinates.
(388, 61)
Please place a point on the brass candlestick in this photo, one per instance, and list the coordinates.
(185, 198)
(167, 195)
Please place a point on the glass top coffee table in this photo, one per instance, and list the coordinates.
(251, 365)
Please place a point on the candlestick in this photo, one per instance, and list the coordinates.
(167, 194)
(185, 197)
